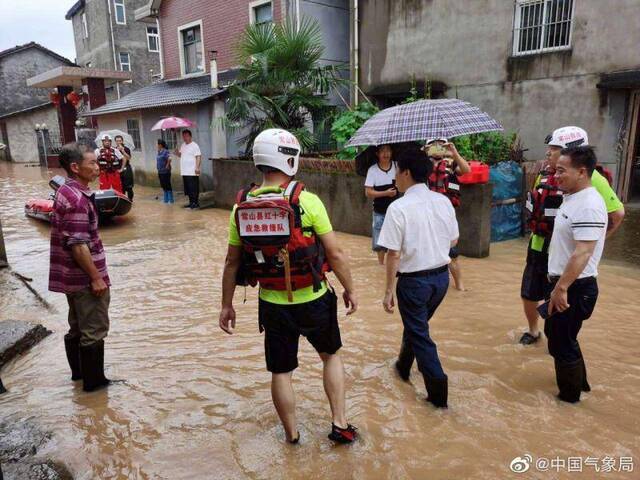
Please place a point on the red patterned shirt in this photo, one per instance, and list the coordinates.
(74, 221)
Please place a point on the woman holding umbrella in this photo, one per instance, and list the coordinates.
(380, 186)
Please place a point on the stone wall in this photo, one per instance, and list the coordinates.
(15, 69)
(350, 210)
(22, 134)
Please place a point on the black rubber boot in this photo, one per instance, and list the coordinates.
(570, 378)
(404, 362)
(585, 384)
(72, 347)
(92, 363)
(437, 391)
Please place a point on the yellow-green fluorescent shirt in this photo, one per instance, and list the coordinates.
(314, 215)
(601, 184)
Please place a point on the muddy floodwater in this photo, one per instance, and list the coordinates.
(197, 404)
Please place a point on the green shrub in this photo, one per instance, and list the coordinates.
(347, 123)
(489, 147)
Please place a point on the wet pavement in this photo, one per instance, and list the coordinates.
(197, 404)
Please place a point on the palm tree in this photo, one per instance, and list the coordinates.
(281, 83)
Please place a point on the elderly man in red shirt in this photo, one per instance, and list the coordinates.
(78, 267)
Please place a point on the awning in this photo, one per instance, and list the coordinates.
(173, 92)
(620, 80)
(73, 76)
(148, 13)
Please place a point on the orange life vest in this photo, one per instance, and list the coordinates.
(444, 180)
(278, 252)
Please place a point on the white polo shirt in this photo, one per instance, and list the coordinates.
(188, 154)
(581, 217)
(420, 225)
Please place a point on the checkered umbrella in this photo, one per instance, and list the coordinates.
(422, 120)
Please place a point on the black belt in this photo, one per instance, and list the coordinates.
(425, 273)
(578, 281)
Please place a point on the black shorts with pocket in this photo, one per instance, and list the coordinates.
(534, 277)
(283, 325)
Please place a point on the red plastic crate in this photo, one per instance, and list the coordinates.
(479, 174)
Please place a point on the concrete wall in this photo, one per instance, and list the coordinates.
(15, 69)
(22, 135)
(131, 38)
(468, 46)
(349, 209)
(342, 194)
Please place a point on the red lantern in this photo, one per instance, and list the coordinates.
(73, 98)
(55, 98)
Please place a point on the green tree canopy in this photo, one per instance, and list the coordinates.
(281, 83)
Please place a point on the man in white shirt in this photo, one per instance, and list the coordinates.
(190, 160)
(419, 230)
(574, 253)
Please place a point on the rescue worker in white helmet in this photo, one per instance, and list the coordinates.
(542, 205)
(447, 165)
(280, 238)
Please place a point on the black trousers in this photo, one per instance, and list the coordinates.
(562, 328)
(192, 188)
(165, 181)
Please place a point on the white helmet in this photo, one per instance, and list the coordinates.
(277, 149)
(106, 136)
(568, 137)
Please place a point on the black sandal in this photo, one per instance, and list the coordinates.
(528, 339)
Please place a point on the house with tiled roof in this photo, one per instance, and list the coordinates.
(23, 107)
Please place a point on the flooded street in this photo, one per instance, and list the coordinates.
(197, 404)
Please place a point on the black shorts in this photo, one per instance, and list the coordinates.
(283, 325)
(454, 253)
(534, 277)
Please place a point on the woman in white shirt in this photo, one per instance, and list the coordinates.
(380, 186)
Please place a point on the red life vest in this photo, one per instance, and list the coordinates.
(444, 180)
(278, 252)
(108, 161)
(543, 203)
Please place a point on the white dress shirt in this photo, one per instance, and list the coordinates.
(421, 226)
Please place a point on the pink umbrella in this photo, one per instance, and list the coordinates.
(172, 122)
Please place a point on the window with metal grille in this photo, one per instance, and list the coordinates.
(133, 129)
(542, 26)
(192, 50)
(171, 138)
(121, 16)
(152, 39)
(125, 62)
